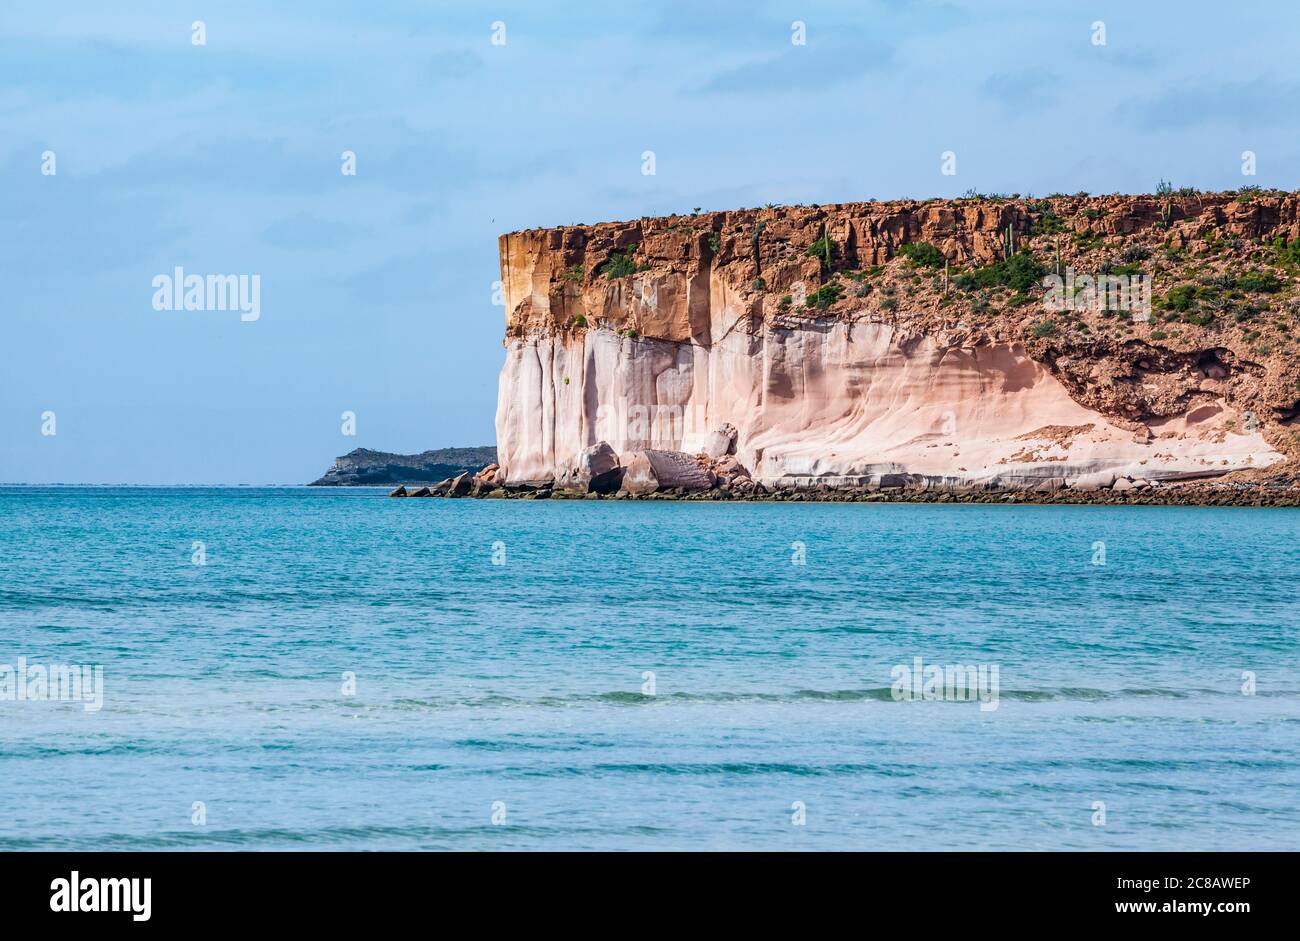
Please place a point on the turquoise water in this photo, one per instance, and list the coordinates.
(520, 685)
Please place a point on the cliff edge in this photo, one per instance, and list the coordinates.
(987, 342)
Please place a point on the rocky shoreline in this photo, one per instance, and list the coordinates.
(598, 473)
(1251, 496)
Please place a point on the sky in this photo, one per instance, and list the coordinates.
(472, 119)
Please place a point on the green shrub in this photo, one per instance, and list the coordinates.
(923, 255)
(1260, 282)
(1019, 272)
(824, 296)
(1044, 328)
(620, 266)
(1288, 255)
(572, 273)
(824, 250)
(1181, 297)
(1048, 223)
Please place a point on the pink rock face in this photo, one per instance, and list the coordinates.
(651, 470)
(841, 404)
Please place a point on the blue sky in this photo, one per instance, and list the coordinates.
(377, 288)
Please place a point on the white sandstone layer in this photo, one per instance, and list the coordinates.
(840, 403)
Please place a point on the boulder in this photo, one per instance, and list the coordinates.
(721, 442)
(653, 470)
(594, 470)
(459, 485)
(1100, 480)
(422, 492)
(731, 467)
(399, 492)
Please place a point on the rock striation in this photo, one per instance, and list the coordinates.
(863, 344)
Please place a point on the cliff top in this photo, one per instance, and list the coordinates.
(1180, 198)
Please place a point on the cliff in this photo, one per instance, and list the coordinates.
(363, 467)
(847, 344)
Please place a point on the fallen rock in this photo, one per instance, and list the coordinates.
(653, 470)
(731, 467)
(721, 442)
(459, 485)
(422, 492)
(399, 492)
(594, 470)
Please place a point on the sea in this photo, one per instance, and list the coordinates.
(332, 669)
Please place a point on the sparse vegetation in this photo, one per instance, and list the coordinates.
(573, 273)
(1020, 272)
(824, 250)
(1180, 298)
(824, 296)
(1287, 255)
(620, 266)
(923, 255)
(1264, 282)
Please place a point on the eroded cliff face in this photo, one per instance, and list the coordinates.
(838, 360)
